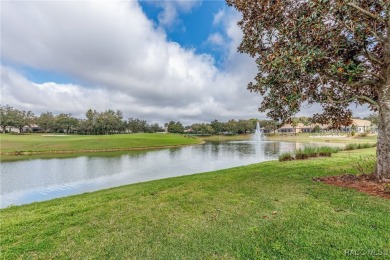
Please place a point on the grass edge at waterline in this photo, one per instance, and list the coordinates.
(266, 210)
(15, 145)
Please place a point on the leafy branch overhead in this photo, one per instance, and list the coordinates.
(332, 52)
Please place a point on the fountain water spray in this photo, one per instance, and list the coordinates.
(259, 135)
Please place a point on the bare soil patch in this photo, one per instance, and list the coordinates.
(366, 183)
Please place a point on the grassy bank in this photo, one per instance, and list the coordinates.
(267, 210)
(220, 138)
(40, 143)
(310, 137)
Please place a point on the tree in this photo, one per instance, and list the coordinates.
(6, 117)
(329, 52)
(46, 121)
(154, 128)
(231, 127)
(136, 125)
(244, 126)
(271, 125)
(65, 122)
(23, 118)
(90, 123)
(175, 127)
(217, 126)
(294, 124)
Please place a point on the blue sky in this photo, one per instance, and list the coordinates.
(192, 28)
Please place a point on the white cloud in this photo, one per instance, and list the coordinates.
(216, 39)
(121, 61)
(169, 16)
(218, 17)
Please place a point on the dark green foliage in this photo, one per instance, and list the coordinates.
(349, 147)
(308, 152)
(287, 156)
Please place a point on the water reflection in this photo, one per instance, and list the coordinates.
(43, 179)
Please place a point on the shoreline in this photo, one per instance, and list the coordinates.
(21, 153)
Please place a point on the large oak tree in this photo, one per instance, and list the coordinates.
(331, 52)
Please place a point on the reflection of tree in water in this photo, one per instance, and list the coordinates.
(215, 147)
(272, 148)
(174, 152)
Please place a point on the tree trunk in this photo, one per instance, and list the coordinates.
(382, 170)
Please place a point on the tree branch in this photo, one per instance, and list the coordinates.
(365, 98)
(362, 83)
(372, 58)
(358, 8)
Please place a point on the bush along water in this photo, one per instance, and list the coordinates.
(286, 157)
(349, 147)
(308, 152)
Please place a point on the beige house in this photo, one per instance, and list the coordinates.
(358, 125)
(288, 128)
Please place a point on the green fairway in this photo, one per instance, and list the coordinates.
(312, 137)
(221, 138)
(88, 143)
(267, 210)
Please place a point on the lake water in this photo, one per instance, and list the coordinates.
(34, 180)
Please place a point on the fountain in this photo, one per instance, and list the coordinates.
(259, 135)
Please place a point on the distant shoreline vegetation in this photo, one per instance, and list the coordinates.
(113, 122)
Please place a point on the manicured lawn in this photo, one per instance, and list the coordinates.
(308, 137)
(271, 210)
(301, 137)
(220, 138)
(41, 142)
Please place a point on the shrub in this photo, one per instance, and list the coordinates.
(349, 147)
(307, 152)
(327, 151)
(301, 155)
(359, 146)
(286, 157)
(316, 129)
(310, 151)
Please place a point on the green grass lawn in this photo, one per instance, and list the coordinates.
(308, 137)
(42, 143)
(220, 138)
(301, 137)
(267, 210)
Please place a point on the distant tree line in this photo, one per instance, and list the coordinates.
(231, 127)
(95, 123)
(112, 122)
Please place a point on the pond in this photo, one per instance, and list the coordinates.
(35, 180)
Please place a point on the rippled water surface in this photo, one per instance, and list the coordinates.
(34, 180)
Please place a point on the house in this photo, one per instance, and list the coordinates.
(10, 129)
(25, 129)
(359, 126)
(32, 128)
(288, 128)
